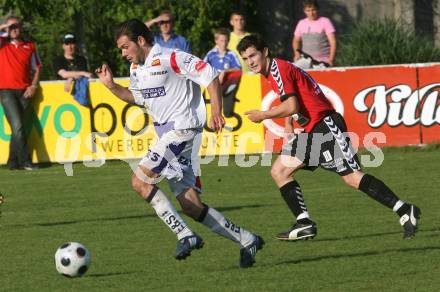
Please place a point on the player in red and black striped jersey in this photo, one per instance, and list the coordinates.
(319, 140)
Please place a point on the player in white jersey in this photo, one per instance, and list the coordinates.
(167, 83)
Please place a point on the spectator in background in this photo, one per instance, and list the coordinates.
(238, 32)
(167, 37)
(227, 63)
(70, 66)
(20, 70)
(314, 35)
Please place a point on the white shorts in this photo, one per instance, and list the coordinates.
(175, 157)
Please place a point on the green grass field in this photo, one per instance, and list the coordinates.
(359, 246)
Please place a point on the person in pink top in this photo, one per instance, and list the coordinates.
(314, 35)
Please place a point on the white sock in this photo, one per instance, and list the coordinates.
(215, 221)
(303, 215)
(397, 206)
(166, 211)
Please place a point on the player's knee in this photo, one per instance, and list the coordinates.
(136, 183)
(278, 173)
(140, 186)
(273, 173)
(353, 179)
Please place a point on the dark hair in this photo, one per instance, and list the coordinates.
(237, 12)
(23, 35)
(310, 3)
(133, 29)
(222, 31)
(253, 40)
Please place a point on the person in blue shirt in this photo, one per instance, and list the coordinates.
(228, 64)
(167, 37)
(220, 57)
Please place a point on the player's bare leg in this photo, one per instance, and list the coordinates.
(143, 182)
(249, 243)
(282, 173)
(409, 214)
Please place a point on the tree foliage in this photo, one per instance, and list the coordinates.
(93, 21)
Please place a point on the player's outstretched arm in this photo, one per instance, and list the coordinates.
(217, 121)
(285, 109)
(106, 77)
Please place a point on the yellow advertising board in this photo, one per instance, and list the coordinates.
(240, 136)
(60, 129)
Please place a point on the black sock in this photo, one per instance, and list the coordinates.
(403, 210)
(292, 195)
(377, 190)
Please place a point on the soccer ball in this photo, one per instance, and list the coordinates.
(72, 259)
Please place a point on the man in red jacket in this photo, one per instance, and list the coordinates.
(320, 140)
(18, 59)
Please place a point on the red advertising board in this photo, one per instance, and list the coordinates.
(429, 84)
(399, 102)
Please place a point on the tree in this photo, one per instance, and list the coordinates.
(436, 8)
(93, 22)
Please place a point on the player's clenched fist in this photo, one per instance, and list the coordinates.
(255, 116)
(105, 75)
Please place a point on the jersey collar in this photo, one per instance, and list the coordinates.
(153, 52)
(271, 60)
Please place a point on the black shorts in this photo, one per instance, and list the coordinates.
(327, 146)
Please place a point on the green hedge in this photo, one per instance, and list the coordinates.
(379, 42)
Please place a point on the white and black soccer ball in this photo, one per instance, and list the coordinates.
(72, 259)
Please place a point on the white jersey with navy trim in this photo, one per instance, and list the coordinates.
(168, 86)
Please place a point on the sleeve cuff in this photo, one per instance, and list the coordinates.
(286, 96)
(206, 80)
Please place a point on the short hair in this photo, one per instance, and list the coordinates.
(168, 12)
(133, 29)
(237, 12)
(222, 31)
(13, 17)
(307, 3)
(253, 40)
